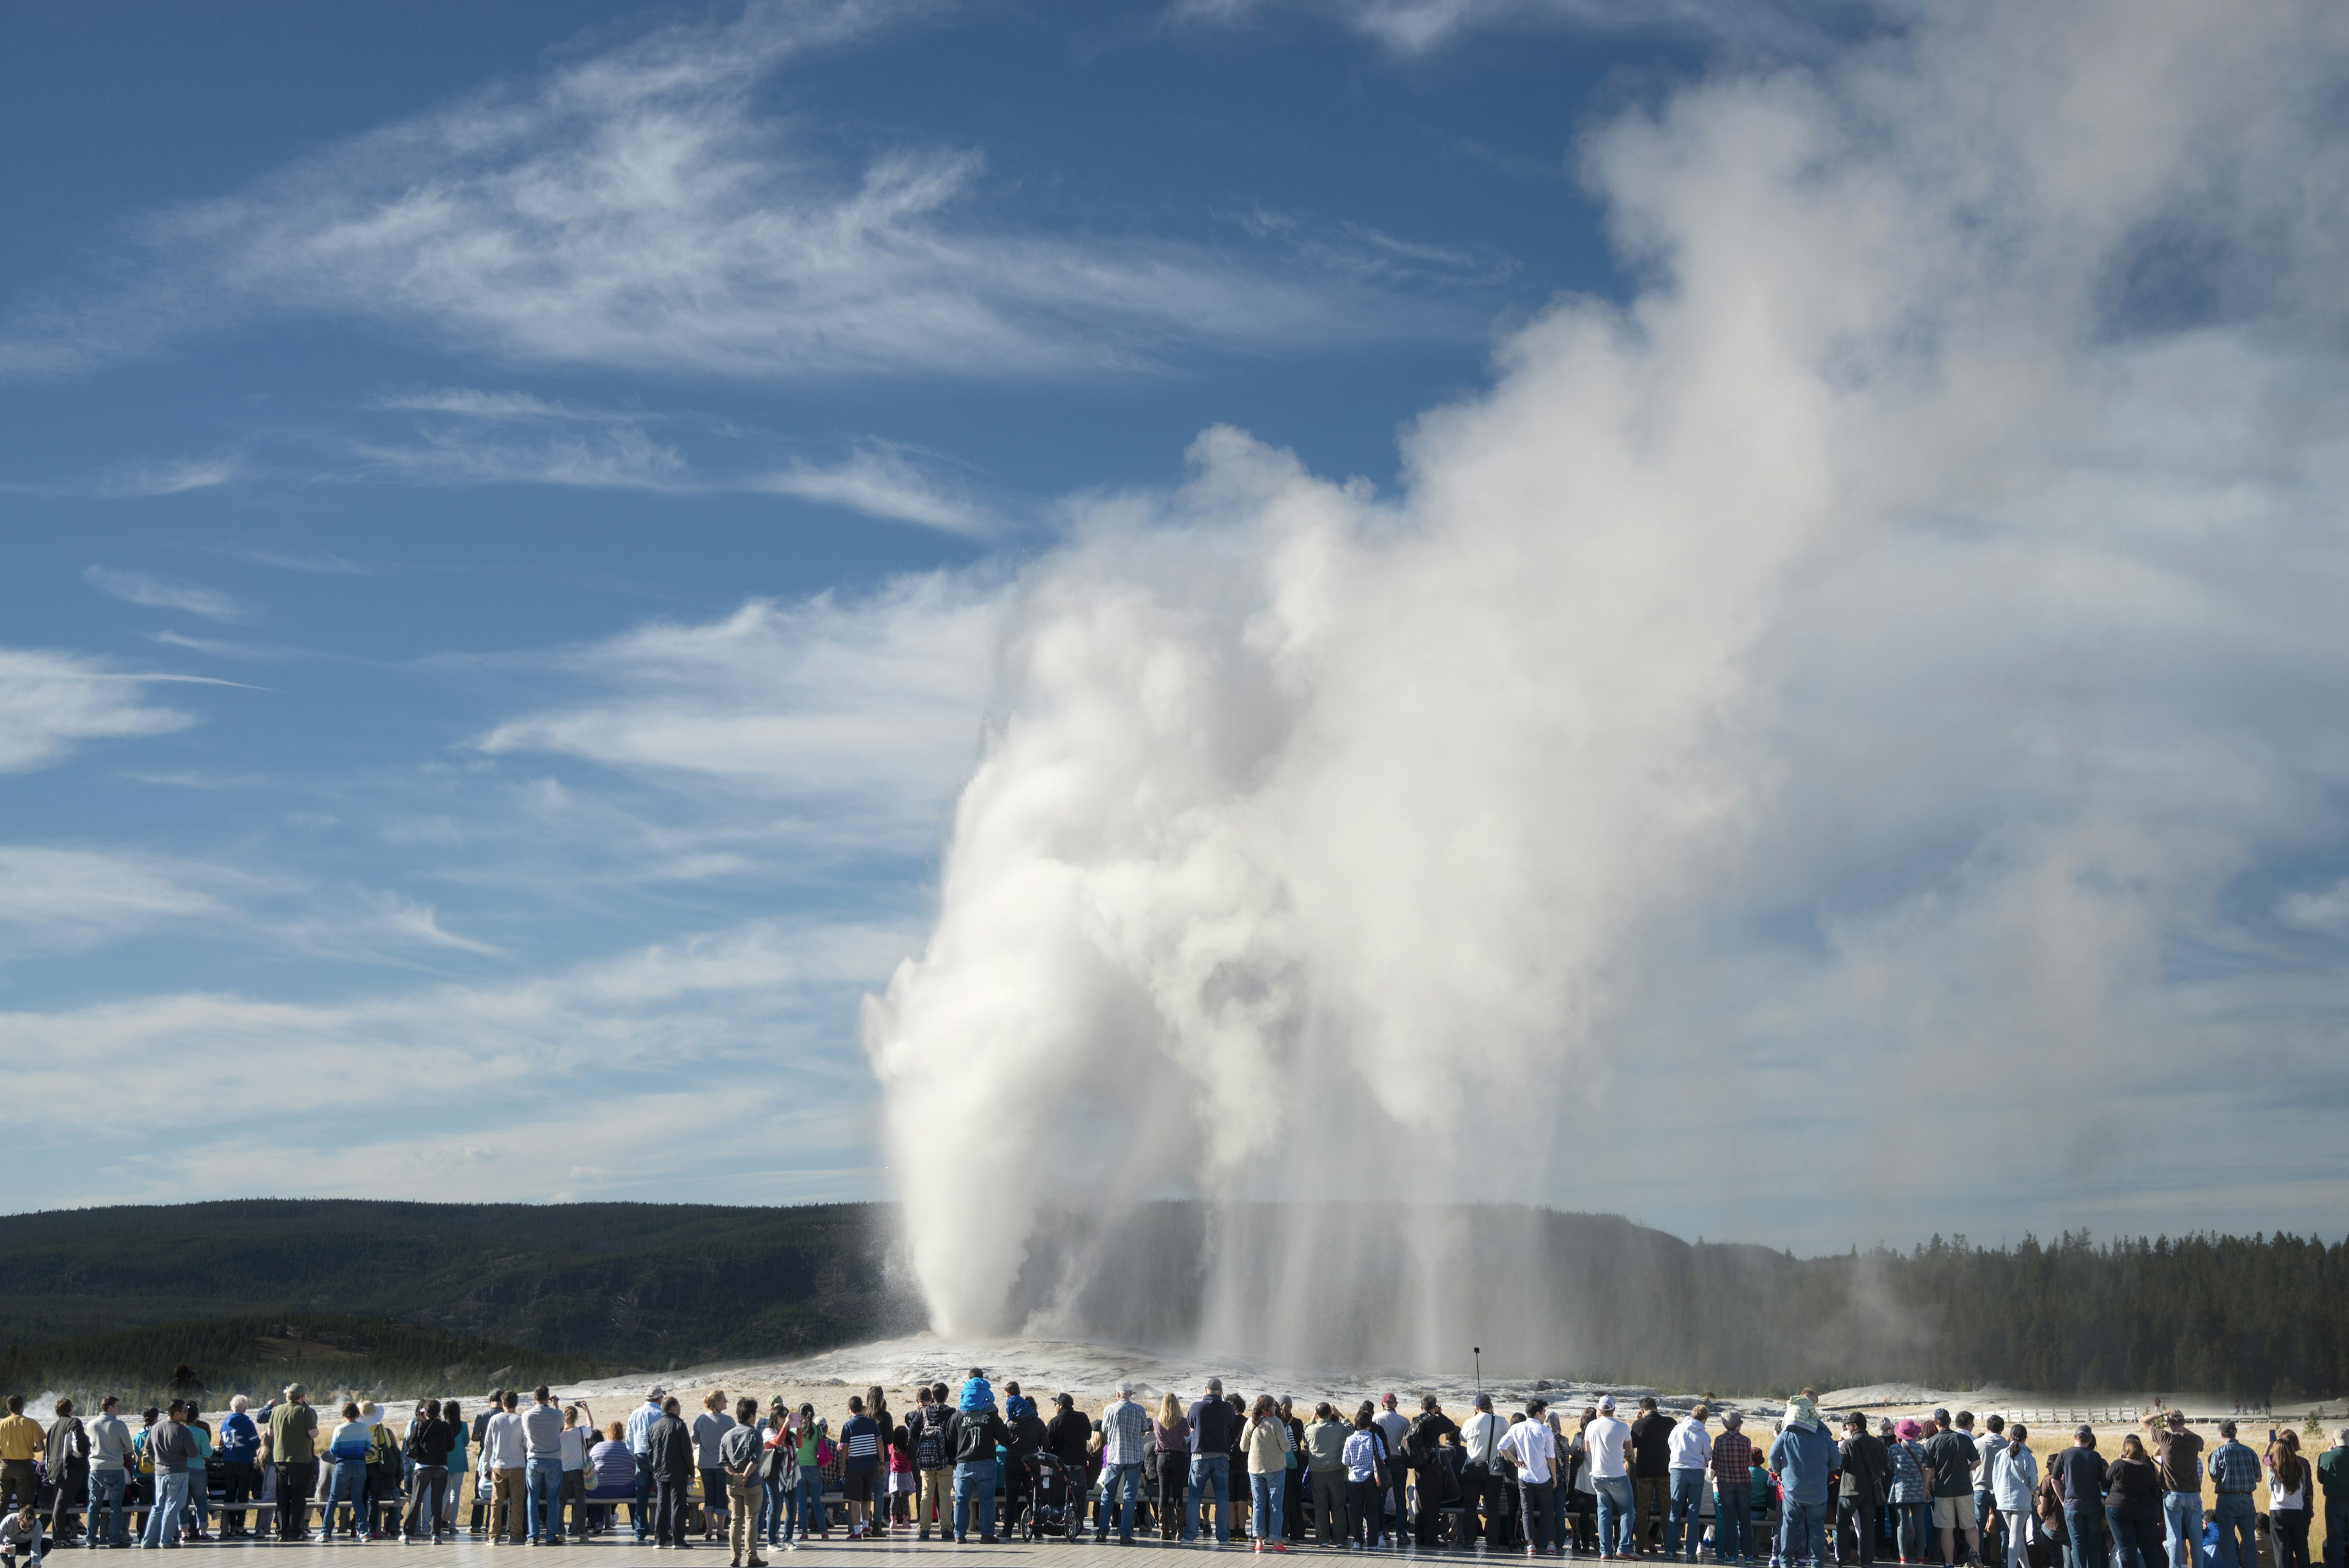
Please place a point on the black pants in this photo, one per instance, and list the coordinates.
(1172, 1472)
(240, 1483)
(72, 1493)
(295, 1483)
(669, 1494)
(20, 1483)
(1533, 1503)
(1365, 1509)
(427, 1486)
(1855, 1530)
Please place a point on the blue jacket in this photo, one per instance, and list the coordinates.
(1805, 1457)
(976, 1395)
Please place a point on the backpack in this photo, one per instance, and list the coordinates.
(930, 1443)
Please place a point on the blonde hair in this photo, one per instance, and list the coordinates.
(713, 1400)
(1170, 1409)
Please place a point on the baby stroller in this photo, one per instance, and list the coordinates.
(1051, 1501)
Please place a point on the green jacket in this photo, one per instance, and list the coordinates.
(2333, 1472)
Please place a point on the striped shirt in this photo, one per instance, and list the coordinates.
(1126, 1433)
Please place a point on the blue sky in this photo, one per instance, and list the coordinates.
(512, 516)
(302, 546)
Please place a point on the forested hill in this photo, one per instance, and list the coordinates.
(638, 1284)
(660, 1285)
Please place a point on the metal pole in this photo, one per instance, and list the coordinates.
(1478, 1352)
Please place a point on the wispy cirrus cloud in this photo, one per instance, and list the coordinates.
(866, 709)
(882, 481)
(635, 209)
(1419, 26)
(165, 593)
(52, 701)
(131, 481)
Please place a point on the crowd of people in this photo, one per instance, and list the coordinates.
(959, 1466)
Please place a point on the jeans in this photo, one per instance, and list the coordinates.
(2239, 1546)
(2181, 1516)
(1266, 1494)
(811, 1513)
(2084, 1534)
(346, 1487)
(1915, 1524)
(1533, 1499)
(779, 1513)
(640, 1512)
(1803, 1532)
(1391, 1498)
(2136, 1542)
(428, 1486)
(1733, 1510)
(171, 1508)
(1615, 1523)
(974, 1485)
(1113, 1478)
(106, 1493)
(543, 1480)
(1206, 1467)
(1687, 1513)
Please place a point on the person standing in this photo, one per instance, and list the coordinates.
(431, 1438)
(110, 1454)
(170, 1448)
(668, 1445)
(1985, 1501)
(740, 1451)
(69, 1469)
(542, 1450)
(1125, 1440)
(976, 1432)
(2133, 1507)
(710, 1429)
(812, 1439)
(1212, 1431)
(293, 1449)
(860, 1466)
(1532, 1447)
(2014, 1477)
(1732, 1489)
(1361, 1455)
(1950, 1457)
(2080, 1474)
(2332, 1474)
(1325, 1475)
(1690, 1450)
(236, 1454)
(2179, 1455)
(2292, 1497)
(1805, 1456)
(1393, 1429)
(505, 1459)
(1865, 1466)
(22, 1443)
(1480, 1444)
(1610, 1477)
(926, 1433)
(1265, 1441)
(2235, 1476)
(639, 1429)
(1652, 1472)
(578, 1436)
(1170, 1463)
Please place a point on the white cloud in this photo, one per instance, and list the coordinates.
(131, 479)
(634, 208)
(868, 708)
(2325, 911)
(880, 480)
(471, 1091)
(51, 701)
(1416, 26)
(66, 899)
(163, 593)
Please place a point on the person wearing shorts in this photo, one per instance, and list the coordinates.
(859, 1467)
(1949, 1460)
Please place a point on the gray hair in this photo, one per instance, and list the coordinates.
(1126, 1387)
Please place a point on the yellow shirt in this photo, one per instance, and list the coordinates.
(21, 1438)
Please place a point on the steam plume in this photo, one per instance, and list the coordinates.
(1333, 846)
